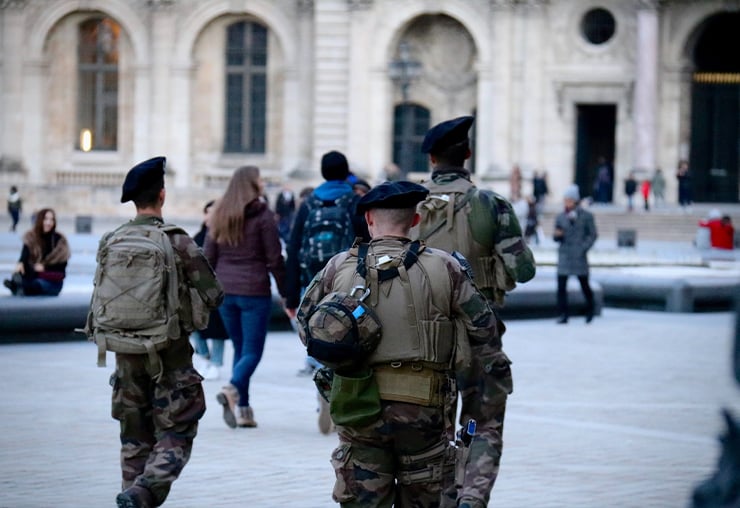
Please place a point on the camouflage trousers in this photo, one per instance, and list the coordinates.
(483, 396)
(158, 420)
(401, 460)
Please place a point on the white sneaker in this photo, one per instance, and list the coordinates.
(212, 372)
(201, 363)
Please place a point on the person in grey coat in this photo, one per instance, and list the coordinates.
(575, 231)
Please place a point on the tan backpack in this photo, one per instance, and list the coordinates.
(448, 215)
(135, 302)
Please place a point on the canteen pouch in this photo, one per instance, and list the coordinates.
(354, 401)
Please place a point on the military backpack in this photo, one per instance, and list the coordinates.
(135, 302)
(454, 219)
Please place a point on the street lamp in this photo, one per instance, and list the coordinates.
(403, 71)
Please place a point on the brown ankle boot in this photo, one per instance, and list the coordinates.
(245, 417)
(228, 397)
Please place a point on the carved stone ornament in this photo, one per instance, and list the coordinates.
(17, 4)
(304, 6)
(500, 4)
(160, 3)
(648, 4)
(356, 5)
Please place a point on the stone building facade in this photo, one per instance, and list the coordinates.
(90, 87)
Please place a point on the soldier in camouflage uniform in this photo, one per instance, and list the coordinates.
(489, 236)
(431, 313)
(159, 419)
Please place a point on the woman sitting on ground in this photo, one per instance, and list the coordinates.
(43, 263)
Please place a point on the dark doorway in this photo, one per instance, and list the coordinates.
(410, 124)
(595, 129)
(715, 111)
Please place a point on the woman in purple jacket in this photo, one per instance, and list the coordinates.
(243, 246)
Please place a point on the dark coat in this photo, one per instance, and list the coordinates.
(245, 269)
(578, 237)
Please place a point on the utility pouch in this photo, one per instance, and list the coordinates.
(354, 401)
(323, 379)
(411, 383)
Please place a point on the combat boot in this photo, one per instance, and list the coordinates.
(228, 397)
(245, 417)
(135, 497)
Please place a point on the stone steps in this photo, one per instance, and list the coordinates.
(670, 225)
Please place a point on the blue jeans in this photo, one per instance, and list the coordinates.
(41, 287)
(216, 352)
(245, 319)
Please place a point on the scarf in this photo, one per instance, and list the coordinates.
(59, 253)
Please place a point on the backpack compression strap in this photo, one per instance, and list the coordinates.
(411, 256)
(452, 209)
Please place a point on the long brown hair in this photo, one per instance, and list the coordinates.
(38, 224)
(33, 238)
(227, 218)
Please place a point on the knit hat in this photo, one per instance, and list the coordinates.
(572, 193)
(334, 166)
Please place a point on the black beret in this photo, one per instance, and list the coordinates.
(334, 166)
(400, 194)
(143, 176)
(446, 134)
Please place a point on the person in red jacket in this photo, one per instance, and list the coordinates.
(721, 231)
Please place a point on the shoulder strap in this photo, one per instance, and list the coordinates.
(452, 209)
(410, 256)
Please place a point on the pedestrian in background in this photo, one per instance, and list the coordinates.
(630, 187)
(42, 265)
(515, 184)
(575, 232)
(243, 246)
(658, 187)
(683, 175)
(603, 181)
(211, 359)
(645, 191)
(285, 205)
(158, 411)
(15, 205)
(483, 227)
(539, 188)
(393, 406)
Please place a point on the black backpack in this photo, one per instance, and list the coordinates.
(328, 230)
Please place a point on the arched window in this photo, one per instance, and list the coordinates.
(97, 84)
(246, 88)
(410, 124)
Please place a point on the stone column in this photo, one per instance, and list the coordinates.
(331, 76)
(644, 111)
(11, 81)
(497, 105)
(162, 102)
(298, 97)
(178, 155)
(33, 119)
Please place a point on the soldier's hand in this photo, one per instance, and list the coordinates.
(291, 313)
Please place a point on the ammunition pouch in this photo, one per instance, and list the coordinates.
(412, 383)
(431, 465)
(354, 401)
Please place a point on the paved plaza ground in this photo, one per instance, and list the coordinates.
(623, 412)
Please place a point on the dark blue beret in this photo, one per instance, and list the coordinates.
(400, 194)
(446, 134)
(143, 176)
